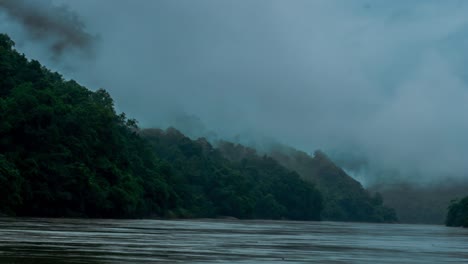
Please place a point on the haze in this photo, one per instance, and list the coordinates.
(379, 85)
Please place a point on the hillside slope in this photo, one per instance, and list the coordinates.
(254, 187)
(65, 152)
(344, 198)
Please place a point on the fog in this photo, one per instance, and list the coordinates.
(56, 26)
(378, 85)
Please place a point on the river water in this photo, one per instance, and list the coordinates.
(39, 240)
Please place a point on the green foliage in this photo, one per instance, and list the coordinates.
(10, 186)
(210, 184)
(458, 213)
(6, 42)
(344, 198)
(65, 152)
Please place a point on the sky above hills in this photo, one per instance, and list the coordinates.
(380, 85)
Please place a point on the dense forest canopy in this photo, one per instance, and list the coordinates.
(66, 152)
(344, 198)
(458, 213)
(211, 185)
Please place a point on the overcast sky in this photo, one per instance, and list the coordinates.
(379, 82)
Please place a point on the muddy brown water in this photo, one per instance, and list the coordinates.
(39, 240)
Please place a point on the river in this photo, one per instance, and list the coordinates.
(40, 240)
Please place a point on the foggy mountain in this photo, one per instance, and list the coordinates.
(378, 85)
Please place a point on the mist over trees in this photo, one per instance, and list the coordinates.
(344, 198)
(421, 204)
(211, 185)
(66, 152)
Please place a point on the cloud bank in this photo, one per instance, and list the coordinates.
(380, 85)
(57, 26)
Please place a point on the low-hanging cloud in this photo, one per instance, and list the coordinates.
(59, 27)
(380, 85)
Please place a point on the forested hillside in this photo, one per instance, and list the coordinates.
(344, 198)
(210, 185)
(458, 213)
(64, 151)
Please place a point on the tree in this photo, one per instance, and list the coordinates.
(10, 186)
(457, 214)
(6, 42)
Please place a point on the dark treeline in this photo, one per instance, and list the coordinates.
(64, 151)
(458, 213)
(422, 204)
(344, 198)
(210, 185)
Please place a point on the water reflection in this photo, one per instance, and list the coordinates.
(200, 241)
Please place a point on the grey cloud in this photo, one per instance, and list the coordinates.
(380, 85)
(56, 25)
